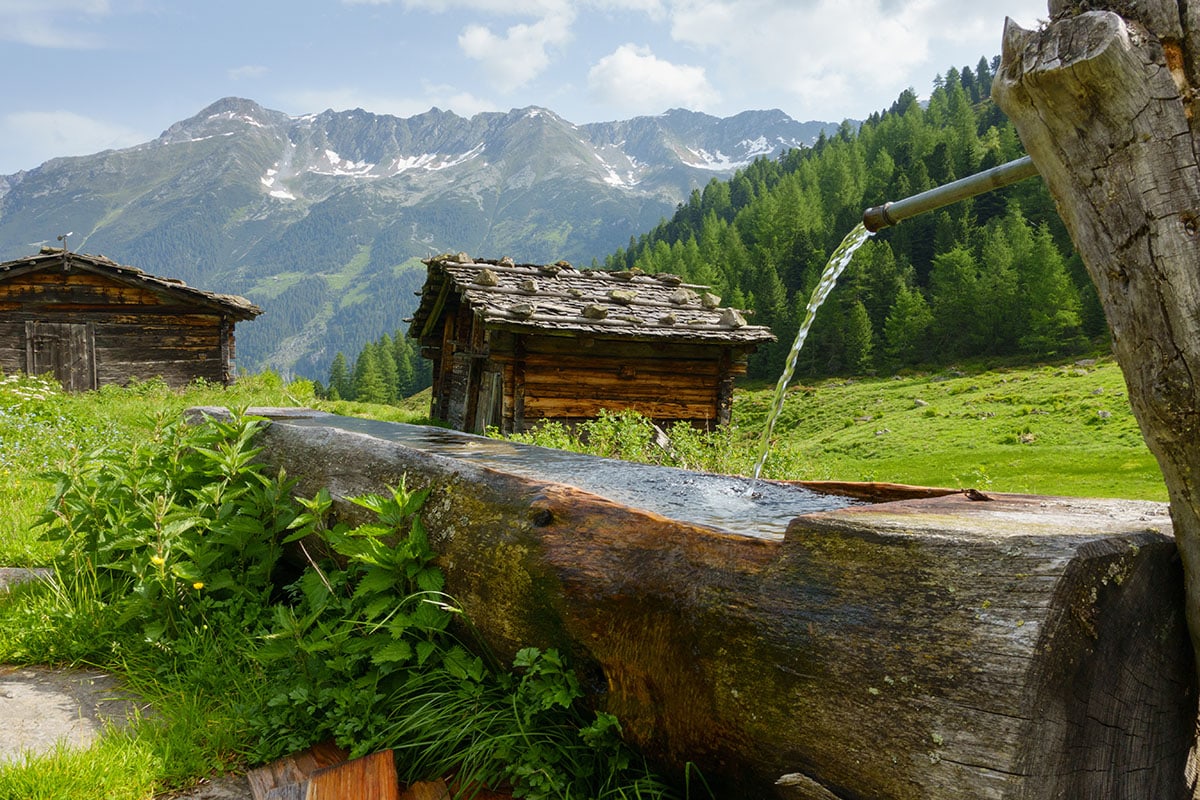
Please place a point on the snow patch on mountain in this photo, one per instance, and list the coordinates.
(614, 177)
(432, 162)
(269, 180)
(330, 163)
(715, 161)
(754, 148)
(234, 116)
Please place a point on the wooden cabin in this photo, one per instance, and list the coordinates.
(514, 344)
(90, 321)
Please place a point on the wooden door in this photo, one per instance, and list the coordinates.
(490, 404)
(65, 350)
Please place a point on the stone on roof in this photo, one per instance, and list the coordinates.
(559, 299)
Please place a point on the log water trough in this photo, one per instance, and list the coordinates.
(941, 644)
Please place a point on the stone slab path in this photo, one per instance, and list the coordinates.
(43, 707)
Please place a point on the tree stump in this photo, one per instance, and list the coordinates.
(1027, 647)
(1105, 102)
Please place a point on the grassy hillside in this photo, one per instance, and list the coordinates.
(1065, 430)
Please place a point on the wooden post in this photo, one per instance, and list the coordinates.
(1105, 103)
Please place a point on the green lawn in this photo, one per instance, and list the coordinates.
(1064, 430)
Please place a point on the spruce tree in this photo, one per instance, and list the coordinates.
(388, 371)
(906, 330)
(368, 380)
(340, 386)
(1053, 307)
(402, 354)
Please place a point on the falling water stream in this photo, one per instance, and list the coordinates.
(837, 263)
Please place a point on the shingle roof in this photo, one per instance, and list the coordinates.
(235, 306)
(557, 297)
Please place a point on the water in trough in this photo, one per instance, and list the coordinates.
(721, 501)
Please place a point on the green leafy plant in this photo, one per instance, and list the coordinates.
(174, 528)
(368, 654)
(169, 565)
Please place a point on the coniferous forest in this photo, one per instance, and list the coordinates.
(995, 276)
(991, 277)
(385, 371)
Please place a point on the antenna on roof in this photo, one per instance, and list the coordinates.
(62, 237)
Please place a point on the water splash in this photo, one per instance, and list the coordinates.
(837, 263)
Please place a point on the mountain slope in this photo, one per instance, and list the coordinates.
(321, 218)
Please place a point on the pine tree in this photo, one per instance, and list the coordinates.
(402, 354)
(954, 300)
(906, 331)
(388, 371)
(340, 387)
(1053, 306)
(857, 340)
(368, 381)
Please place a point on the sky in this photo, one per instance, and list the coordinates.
(81, 76)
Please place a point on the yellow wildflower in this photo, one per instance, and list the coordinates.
(157, 561)
(198, 585)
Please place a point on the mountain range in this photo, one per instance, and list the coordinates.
(322, 219)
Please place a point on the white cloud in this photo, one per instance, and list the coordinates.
(50, 23)
(29, 138)
(633, 80)
(822, 55)
(522, 53)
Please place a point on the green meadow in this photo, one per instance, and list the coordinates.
(1063, 430)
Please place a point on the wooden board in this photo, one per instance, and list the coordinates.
(292, 770)
(371, 777)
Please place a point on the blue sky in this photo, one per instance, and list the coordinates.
(82, 76)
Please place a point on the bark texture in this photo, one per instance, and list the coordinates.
(1105, 102)
(1026, 647)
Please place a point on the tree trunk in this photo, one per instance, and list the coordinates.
(929, 649)
(1105, 103)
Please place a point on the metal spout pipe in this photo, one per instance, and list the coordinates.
(888, 214)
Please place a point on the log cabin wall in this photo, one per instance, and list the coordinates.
(90, 322)
(574, 379)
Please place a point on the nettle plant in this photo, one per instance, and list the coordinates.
(174, 529)
(180, 537)
(368, 653)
